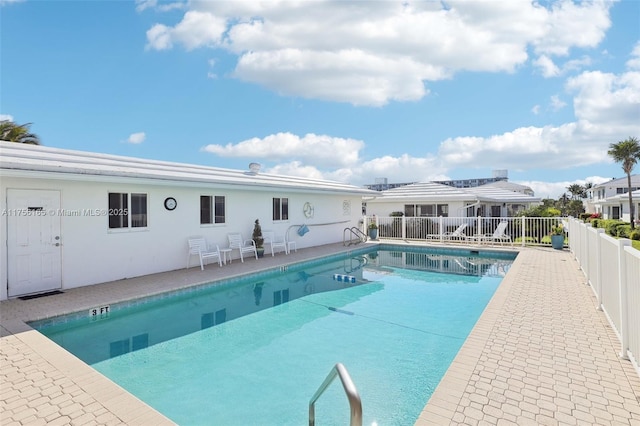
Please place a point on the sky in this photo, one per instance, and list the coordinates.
(350, 91)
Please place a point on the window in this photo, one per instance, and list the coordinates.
(121, 216)
(426, 210)
(212, 209)
(280, 209)
(615, 212)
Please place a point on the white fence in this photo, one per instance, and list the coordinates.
(612, 268)
(521, 230)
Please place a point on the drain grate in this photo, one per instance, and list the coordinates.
(35, 296)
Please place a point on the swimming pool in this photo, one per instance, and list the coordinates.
(254, 350)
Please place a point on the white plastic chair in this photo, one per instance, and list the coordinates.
(236, 242)
(458, 234)
(499, 234)
(275, 241)
(198, 247)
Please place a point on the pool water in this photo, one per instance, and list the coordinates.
(254, 351)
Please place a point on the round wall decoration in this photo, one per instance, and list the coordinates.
(170, 203)
(307, 209)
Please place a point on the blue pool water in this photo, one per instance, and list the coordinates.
(253, 351)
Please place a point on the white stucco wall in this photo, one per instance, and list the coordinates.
(92, 253)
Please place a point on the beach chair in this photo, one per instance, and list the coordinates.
(198, 247)
(236, 242)
(457, 235)
(275, 242)
(498, 235)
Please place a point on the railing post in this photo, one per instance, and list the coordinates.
(523, 232)
(598, 277)
(440, 227)
(622, 274)
(404, 227)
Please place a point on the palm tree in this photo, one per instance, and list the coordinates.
(12, 132)
(626, 152)
(576, 191)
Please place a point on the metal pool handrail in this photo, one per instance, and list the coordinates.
(349, 389)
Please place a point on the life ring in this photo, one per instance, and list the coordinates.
(307, 209)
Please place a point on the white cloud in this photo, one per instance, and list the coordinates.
(546, 65)
(197, 29)
(634, 62)
(320, 150)
(557, 103)
(371, 53)
(142, 5)
(569, 24)
(549, 69)
(556, 189)
(536, 109)
(606, 101)
(136, 138)
(606, 108)
(6, 117)
(5, 2)
(546, 189)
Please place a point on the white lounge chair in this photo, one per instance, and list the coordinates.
(236, 242)
(275, 242)
(498, 235)
(458, 234)
(198, 247)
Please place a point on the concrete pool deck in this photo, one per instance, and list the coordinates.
(540, 353)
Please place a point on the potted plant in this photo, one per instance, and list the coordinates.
(257, 238)
(373, 230)
(557, 237)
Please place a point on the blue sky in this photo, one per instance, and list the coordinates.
(341, 90)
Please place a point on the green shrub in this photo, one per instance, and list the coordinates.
(623, 231)
(596, 223)
(611, 226)
(635, 235)
(584, 216)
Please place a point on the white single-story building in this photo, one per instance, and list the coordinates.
(611, 199)
(72, 218)
(430, 199)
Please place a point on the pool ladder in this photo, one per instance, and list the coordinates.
(349, 388)
(350, 233)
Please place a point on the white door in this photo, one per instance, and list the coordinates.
(33, 241)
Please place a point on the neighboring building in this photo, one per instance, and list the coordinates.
(431, 199)
(72, 219)
(498, 176)
(382, 184)
(510, 186)
(611, 199)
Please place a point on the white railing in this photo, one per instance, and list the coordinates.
(612, 269)
(522, 230)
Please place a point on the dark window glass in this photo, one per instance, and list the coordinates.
(205, 210)
(118, 210)
(138, 210)
(220, 210)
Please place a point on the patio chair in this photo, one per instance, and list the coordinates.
(236, 242)
(198, 247)
(498, 235)
(456, 235)
(275, 241)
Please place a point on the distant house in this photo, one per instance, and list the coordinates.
(611, 199)
(430, 199)
(72, 219)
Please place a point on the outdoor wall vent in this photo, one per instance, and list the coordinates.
(254, 167)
